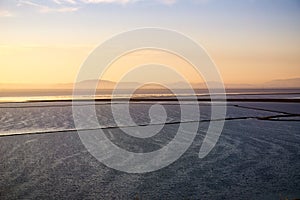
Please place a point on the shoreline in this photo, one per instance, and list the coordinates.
(278, 100)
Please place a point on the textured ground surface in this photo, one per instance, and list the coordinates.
(256, 157)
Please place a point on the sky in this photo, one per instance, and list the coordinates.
(250, 41)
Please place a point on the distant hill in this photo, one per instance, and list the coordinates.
(283, 83)
(104, 84)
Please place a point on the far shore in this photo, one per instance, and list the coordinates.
(278, 100)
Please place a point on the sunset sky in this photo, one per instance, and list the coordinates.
(251, 41)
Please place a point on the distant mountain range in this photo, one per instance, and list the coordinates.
(284, 83)
(104, 84)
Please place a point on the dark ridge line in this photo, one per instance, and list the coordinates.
(198, 99)
(203, 94)
(262, 109)
(131, 126)
(257, 100)
(283, 120)
(52, 106)
(70, 105)
(268, 118)
(163, 99)
(263, 93)
(108, 100)
(140, 100)
(273, 118)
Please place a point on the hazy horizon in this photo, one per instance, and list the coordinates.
(108, 84)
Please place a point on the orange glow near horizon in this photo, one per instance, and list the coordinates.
(60, 64)
(165, 73)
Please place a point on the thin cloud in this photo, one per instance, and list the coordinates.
(61, 6)
(57, 2)
(46, 9)
(171, 2)
(23, 2)
(63, 9)
(109, 1)
(60, 2)
(167, 2)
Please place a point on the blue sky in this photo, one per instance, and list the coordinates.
(195, 17)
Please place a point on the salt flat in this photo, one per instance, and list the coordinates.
(256, 156)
